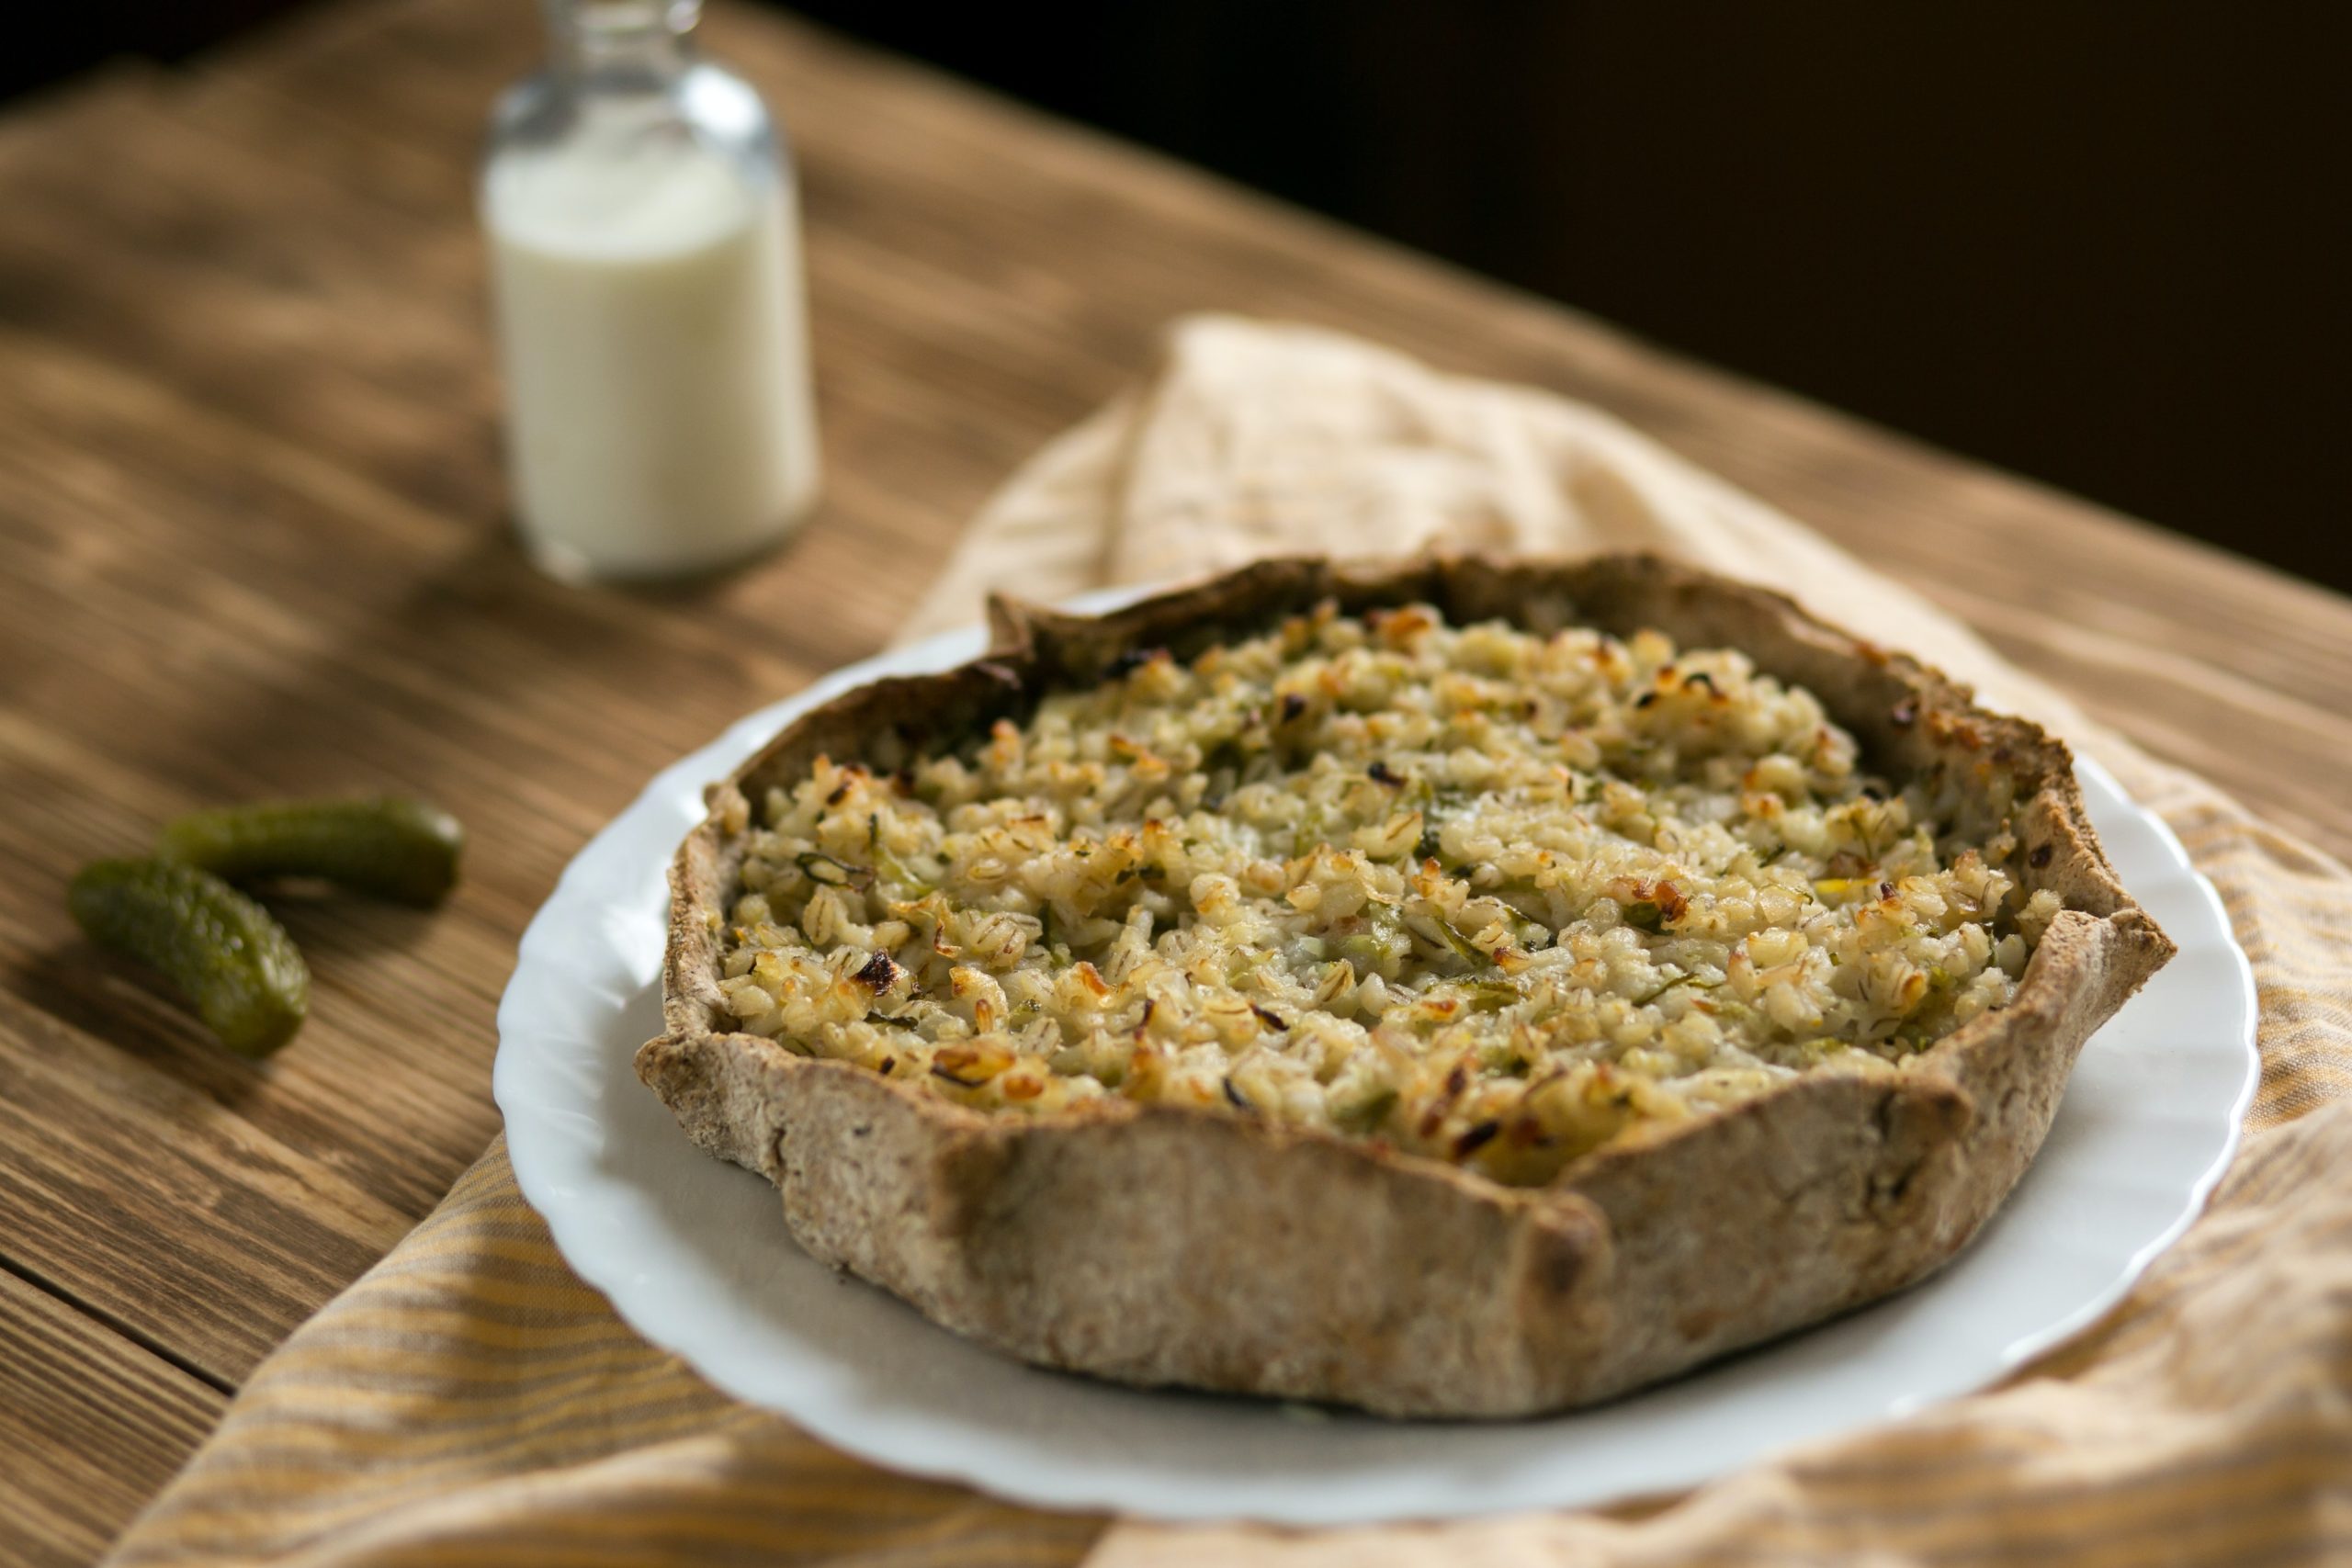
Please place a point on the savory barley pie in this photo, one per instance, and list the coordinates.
(1466, 988)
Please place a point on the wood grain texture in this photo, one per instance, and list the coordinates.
(91, 1426)
(252, 542)
(127, 1188)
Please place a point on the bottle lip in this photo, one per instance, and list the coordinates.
(618, 18)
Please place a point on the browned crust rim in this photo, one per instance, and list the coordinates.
(1668, 1246)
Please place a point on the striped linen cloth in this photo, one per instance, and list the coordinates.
(469, 1402)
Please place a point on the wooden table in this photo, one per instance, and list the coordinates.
(251, 545)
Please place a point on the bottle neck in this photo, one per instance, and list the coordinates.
(621, 44)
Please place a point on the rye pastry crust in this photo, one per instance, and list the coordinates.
(1162, 1244)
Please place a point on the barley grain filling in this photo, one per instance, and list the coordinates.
(1485, 894)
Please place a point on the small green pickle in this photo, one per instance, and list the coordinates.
(390, 847)
(233, 963)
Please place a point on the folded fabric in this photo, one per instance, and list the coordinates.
(468, 1400)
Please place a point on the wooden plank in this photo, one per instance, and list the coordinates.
(91, 1426)
(149, 1201)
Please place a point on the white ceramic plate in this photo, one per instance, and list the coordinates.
(694, 1254)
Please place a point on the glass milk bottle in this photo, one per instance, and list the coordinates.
(646, 273)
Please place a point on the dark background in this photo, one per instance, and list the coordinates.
(2101, 244)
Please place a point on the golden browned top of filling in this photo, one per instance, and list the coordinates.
(1488, 896)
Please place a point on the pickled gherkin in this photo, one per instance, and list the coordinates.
(233, 963)
(390, 847)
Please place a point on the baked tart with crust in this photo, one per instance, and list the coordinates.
(1465, 988)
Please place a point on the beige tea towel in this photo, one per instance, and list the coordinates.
(469, 1402)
